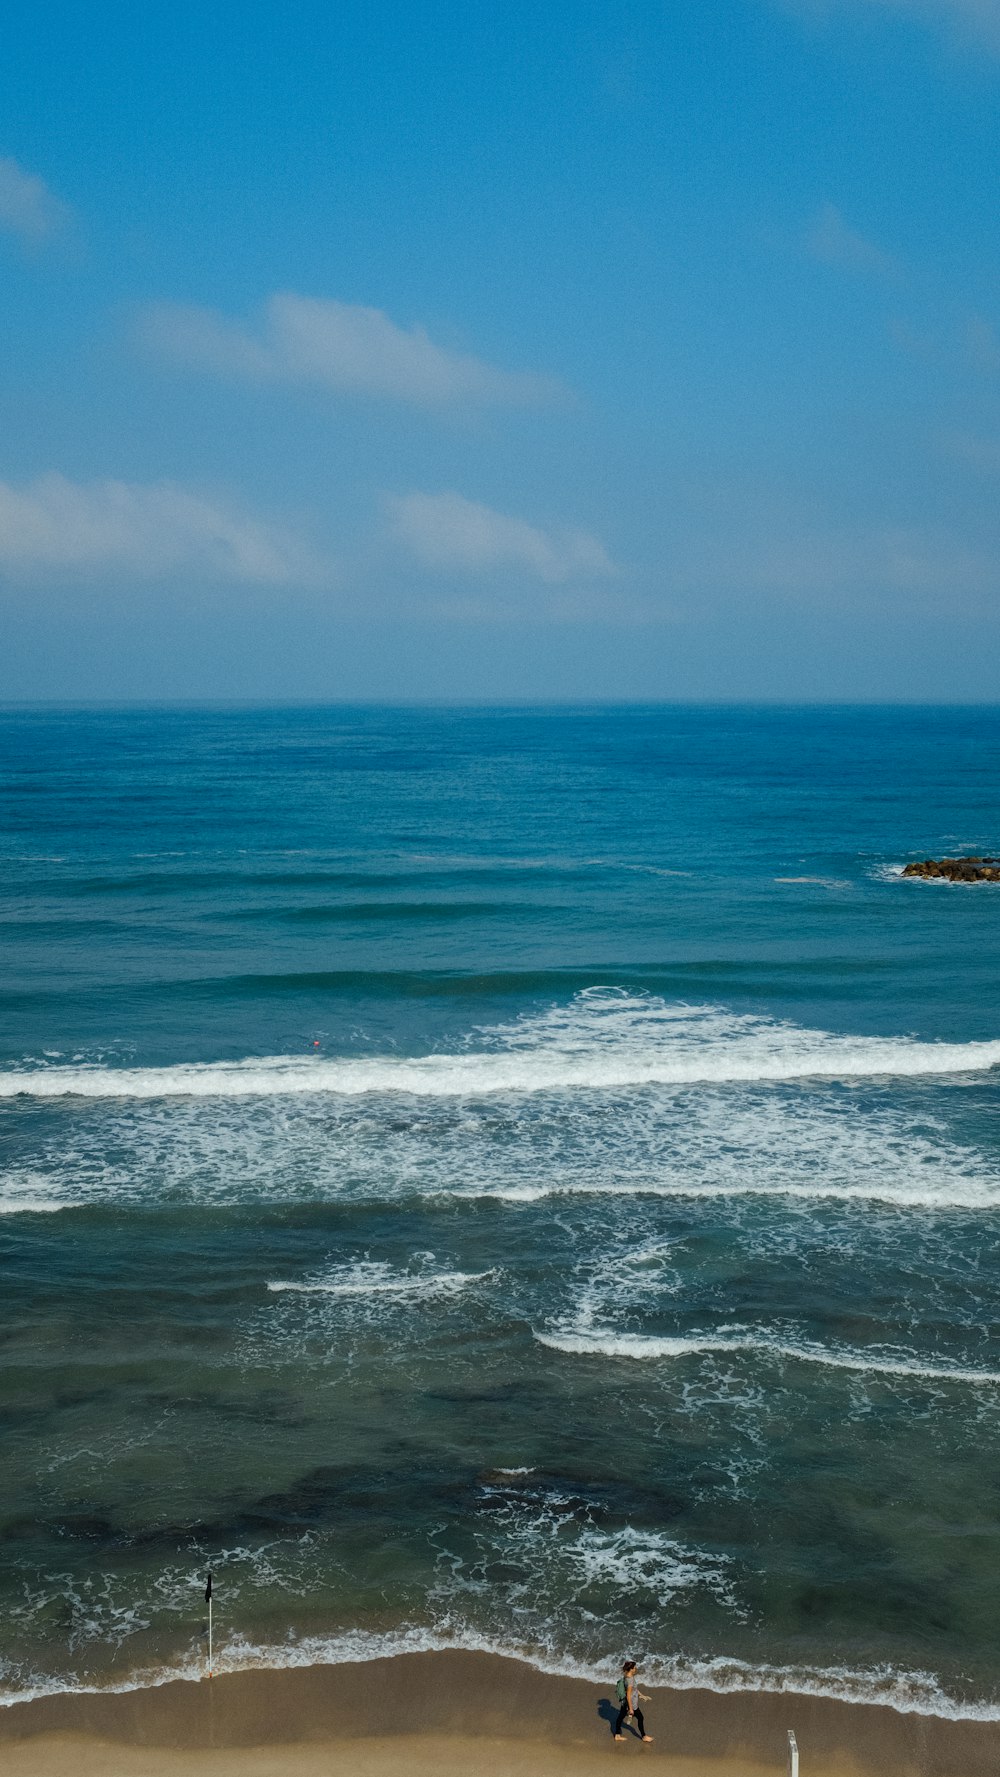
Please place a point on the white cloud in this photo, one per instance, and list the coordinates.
(336, 345)
(447, 531)
(831, 240)
(27, 206)
(56, 525)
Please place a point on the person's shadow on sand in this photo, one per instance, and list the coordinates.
(608, 1712)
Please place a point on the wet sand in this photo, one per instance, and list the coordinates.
(463, 1712)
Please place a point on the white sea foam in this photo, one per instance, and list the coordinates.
(835, 882)
(965, 1194)
(808, 1143)
(32, 1206)
(372, 1277)
(30, 1193)
(604, 1040)
(108, 1609)
(597, 1342)
(906, 1692)
(631, 1560)
(545, 1560)
(553, 1542)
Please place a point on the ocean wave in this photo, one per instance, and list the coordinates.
(32, 1206)
(967, 1194)
(940, 1198)
(394, 912)
(604, 1040)
(410, 873)
(905, 1692)
(24, 1192)
(809, 1146)
(530, 1538)
(597, 1342)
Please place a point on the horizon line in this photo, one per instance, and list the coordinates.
(96, 704)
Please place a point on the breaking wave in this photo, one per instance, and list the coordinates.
(906, 1692)
(605, 1039)
(608, 1343)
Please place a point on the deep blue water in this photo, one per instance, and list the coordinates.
(522, 1178)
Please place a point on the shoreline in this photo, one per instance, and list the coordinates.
(903, 1693)
(499, 1712)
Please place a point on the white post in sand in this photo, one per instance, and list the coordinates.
(793, 1755)
(210, 1655)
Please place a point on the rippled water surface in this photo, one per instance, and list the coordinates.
(522, 1179)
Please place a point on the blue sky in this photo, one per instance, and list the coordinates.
(479, 352)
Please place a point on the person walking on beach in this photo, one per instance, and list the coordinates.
(629, 1697)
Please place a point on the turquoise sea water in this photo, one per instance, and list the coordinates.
(528, 1179)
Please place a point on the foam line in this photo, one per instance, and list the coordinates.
(952, 1195)
(908, 1693)
(442, 1283)
(634, 1345)
(605, 1040)
(28, 1206)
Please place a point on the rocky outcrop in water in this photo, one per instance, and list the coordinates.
(957, 869)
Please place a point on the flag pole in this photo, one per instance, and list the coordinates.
(208, 1601)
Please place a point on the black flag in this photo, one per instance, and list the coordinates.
(208, 1590)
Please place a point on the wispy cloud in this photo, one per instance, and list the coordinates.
(832, 241)
(27, 207)
(973, 451)
(976, 20)
(982, 344)
(449, 532)
(921, 566)
(337, 345)
(57, 525)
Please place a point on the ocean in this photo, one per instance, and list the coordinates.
(516, 1179)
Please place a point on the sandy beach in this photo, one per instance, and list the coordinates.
(471, 1712)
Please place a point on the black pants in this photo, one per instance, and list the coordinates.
(622, 1713)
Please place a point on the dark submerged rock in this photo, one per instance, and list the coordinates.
(957, 869)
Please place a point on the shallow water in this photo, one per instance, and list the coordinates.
(528, 1179)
